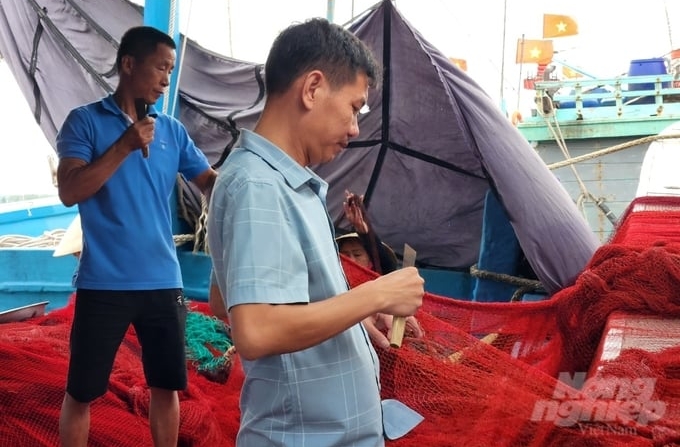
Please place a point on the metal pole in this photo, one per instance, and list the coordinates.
(521, 65)
(668, 25)
(505, 16)
(164, 15)
(330, 9)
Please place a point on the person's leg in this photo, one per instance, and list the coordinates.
(164, 417)
(100, 321)
(74, 422)
(161, 334)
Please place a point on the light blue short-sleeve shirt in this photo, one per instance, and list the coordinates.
(272, 241)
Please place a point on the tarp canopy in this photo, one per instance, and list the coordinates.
(431, 147)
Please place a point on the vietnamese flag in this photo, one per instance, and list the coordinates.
(534, 51)
(556, 25)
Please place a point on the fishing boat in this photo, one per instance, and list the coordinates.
(593, 132)
(512, 268)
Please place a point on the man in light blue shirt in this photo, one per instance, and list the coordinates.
(311, 374)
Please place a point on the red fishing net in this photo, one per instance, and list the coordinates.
(486, 374)
(34, 359)
(596, 365)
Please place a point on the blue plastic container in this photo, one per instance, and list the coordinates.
(572, 104)
(646, 67)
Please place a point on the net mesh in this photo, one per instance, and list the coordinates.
(485, 374)
(34, 355)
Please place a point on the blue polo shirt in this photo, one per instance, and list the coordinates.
(127, 226)
(272, 241)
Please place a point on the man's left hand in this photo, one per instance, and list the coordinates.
(376, 325)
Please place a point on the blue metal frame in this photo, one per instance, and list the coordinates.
(613, 114)
(164, 15)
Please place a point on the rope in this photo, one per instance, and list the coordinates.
(585, 195)
(562, 143)
(611, 149)
(502, 277)
(47, 239)
(525, 285)
(200, 234)
(182, 238)
(198, 222)
(50, 239)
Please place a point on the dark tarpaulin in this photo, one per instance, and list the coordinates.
(429, 149)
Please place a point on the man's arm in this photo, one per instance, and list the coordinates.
(79, 180)
(260, 330)
(205, 181)
(216, 302)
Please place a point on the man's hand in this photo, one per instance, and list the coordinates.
(377, 324)
(355, 212)
(139, 135)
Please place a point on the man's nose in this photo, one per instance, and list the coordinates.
(354, 129)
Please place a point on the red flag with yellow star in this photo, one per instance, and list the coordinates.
(534, 51)
(556, 25)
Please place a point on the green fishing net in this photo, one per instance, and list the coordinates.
(209, 346)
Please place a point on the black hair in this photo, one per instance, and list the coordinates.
(141, 41)
(317, 44)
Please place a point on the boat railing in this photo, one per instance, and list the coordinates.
(591, 108)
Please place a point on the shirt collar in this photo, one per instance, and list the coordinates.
(291, 170)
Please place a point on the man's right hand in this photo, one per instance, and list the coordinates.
(402, 291)
(139, 135)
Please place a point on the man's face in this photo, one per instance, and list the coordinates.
(353, 249)
(150, 77)
(335, 119)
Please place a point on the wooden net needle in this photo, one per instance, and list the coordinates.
(399, 323)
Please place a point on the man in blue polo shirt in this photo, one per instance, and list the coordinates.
(311, 373)
(118, 161)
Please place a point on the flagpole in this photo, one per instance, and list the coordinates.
(502, 92)
(521, 64)
(668, 25)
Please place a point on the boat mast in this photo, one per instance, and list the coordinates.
(164, 15)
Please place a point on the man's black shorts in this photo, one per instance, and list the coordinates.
(102, 318)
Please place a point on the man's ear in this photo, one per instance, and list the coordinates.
(312, 88)
(127, 62)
